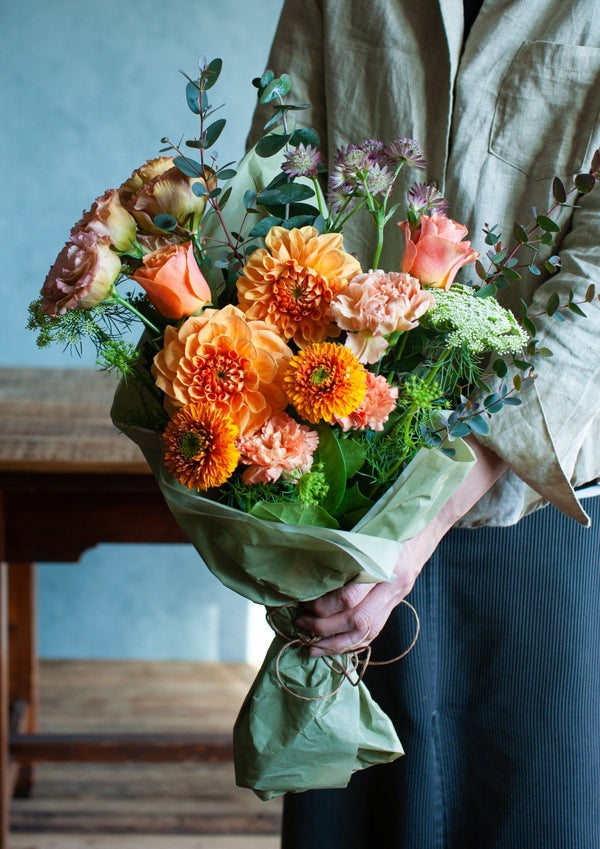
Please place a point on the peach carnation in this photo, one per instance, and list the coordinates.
(290, 283)
(281, 445)
(221, 359)
(375, 304)
(374, 411)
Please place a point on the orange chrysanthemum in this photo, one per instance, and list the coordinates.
(290, 284)
(324, 381)
(220, 358)
(200, 446)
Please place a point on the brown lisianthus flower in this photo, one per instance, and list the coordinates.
(82, 275)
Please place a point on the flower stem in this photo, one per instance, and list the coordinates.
(117, 299)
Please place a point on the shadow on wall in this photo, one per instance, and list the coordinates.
(89, 89)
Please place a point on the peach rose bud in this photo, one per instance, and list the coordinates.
(173, 283)
(436, 250)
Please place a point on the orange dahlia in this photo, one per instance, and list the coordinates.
(290, 283)
(325, 380)
(220, 358)
(200, 446)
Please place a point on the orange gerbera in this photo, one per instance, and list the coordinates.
(325, 380)
(290, 284)
(200, 446)
(221, 359)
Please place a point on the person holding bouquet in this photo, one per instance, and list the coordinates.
(498, 705)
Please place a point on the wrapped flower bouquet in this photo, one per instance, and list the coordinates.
(301, 408)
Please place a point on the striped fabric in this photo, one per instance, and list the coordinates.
(497, 706)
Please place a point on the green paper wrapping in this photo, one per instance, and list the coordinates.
(277, 734)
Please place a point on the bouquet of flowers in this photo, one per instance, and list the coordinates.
(302, 411)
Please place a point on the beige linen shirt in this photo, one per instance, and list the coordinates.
(497, 119)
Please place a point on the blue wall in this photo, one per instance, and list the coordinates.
(88, 90)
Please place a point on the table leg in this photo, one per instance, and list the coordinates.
(4, 697)
(23, 663)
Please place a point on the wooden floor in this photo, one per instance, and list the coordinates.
(145, 806)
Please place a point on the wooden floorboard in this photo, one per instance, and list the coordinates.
(119, 806)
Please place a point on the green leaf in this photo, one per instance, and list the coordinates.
(559, 191)
(353, 454)
(266, 78)
(534, 270)
(353, 501)
(213, 132)
(500, 367)
(212, 72)
(517, 383)
(165, 222)
(264, 225)
(460, 429)
(545, 352)
(287, 193)
(553, 303)
(510, 273)
(478, 425)
(547, 224)
(493, 403)
(577, 310)
(305, 136)
(226, 174)
(523, 365)
(529, 326)
(498, 258)
(299, 221)
(330, 454)
(520, 234)
(276, 88)
(513, 402)
(487, 291)
(224, 198)
(189, 167)
(195, 99)
(271, 144)
(294, 514)
(585, 183)
(199, 189)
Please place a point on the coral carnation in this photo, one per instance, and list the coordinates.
(324, 381)
(290, 284)
(376, 304)
(379, 401)
(221, 359)
(281, 445)
(200, 446)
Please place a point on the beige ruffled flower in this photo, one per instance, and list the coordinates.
(108, 217)
(83, 274)
(169, 193)
(144, 174)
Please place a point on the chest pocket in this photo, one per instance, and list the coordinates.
(546, 120)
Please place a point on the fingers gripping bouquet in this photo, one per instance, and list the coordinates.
(301, 410)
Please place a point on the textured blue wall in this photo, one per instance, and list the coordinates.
(88, 89)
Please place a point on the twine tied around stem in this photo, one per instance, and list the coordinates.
(355, 660)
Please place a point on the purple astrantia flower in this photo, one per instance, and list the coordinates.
(302, 161)
(406, 151)
(423, 199)
(378, 180)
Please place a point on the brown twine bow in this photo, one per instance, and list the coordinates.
(355, 659)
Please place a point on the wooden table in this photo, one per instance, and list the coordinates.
(68, 481)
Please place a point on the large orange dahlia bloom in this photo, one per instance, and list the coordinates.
(200, 448)
(325, 381)
(290, 283)
(224, 360)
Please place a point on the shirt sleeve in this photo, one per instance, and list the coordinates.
(543, 439)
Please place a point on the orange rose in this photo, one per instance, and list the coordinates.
(173, 282)
(436, 250)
